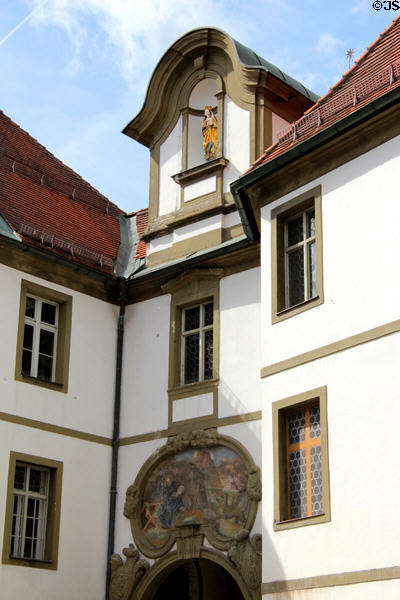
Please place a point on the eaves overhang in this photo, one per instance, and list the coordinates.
(241, 186)
(55, 258)
(187, 262)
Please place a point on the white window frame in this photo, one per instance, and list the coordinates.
(304, 244)
(39, 325)
(201, 331)
(18, 543)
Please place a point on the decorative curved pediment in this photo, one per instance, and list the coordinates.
(198, 482)
(202, 53)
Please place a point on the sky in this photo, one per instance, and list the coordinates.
(75, 72)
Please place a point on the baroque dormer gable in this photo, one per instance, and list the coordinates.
(212, 106)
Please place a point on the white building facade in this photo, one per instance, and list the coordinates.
(211, 391)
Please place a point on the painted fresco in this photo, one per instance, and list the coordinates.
(210, 134)
(205, 484)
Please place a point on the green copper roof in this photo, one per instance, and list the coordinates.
(250, 59)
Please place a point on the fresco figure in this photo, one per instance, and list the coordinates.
(172, 500)
(208, 485)
(210, 134)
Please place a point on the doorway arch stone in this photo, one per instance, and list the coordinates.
(202, 574)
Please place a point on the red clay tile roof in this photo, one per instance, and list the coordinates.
(375, 73)
(51, 206)
(142, 219)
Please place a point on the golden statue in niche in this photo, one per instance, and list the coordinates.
(210, 134)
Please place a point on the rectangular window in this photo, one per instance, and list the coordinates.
(296, 237)
(301, 460)
(32, 511)
(193, 345)
(197, 343)
(300, 267)
(43, 337)
(30, 500)
(303, 455)
(40, 338)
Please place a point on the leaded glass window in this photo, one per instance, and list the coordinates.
(300, 258)
(29, 515)
(40, 338)
(197, 343)
(303, 443)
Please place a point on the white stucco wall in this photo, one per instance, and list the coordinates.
(239, 369)
(389, 590)
(145, 367)
(360, 219)
(200, 188)
(88, 405)
(237, 141)
(363, 412)
(170, 164)
(84, 517)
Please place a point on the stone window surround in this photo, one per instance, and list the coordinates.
(279, 410)
(279, 216)
(55, 468)
(64, 303)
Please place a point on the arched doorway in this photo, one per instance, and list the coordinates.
(195, 579)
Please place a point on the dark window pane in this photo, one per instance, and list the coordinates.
(295, 231)
(46, 342)
(19, 477)
(208, 314)
(191, 367)
(192, 318)
(310, 223)
(45, 364)
(316, 481)
(30, 512)
(312, 271)
(26, 362)
(208, 354)
(30, 307)
(48, 313)
(296, 427)
(298, 484)
(37, 481)
(28, 337)
(296, 277)
(28, 548)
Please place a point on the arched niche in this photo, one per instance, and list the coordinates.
(204, 94)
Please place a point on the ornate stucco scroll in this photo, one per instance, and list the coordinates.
(198, 481)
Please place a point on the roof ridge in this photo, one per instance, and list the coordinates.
(355, 66)
(58, 162)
